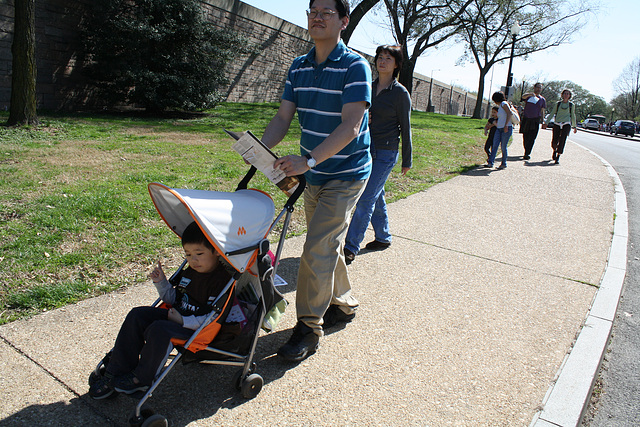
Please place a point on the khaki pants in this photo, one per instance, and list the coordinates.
(322, 277)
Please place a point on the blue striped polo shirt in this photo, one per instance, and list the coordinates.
(319, 92)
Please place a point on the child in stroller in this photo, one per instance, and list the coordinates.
(144, 341)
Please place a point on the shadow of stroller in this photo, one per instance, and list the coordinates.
(76, 412)
(193, 391)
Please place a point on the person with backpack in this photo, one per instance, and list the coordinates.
(565, 119)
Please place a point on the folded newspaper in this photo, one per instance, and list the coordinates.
(259, 155)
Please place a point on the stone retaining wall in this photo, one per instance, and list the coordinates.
(253, 78)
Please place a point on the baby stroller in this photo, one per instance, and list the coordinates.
(237, 224)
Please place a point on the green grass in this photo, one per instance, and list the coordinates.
(76, 219)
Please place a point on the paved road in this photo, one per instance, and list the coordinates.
(616, 401)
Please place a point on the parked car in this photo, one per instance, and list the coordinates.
(625, 127)
(592, 124)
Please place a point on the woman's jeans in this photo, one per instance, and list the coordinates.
(372, 206)
(501, 139)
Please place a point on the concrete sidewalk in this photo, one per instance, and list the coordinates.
(467, 319)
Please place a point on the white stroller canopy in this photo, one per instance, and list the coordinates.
(232, 221)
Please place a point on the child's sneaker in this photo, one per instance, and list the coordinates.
(101, 388)
(125, 384)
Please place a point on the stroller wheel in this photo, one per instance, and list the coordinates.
(148, 418)
(156, 420)
(251, 386)
(237, 380)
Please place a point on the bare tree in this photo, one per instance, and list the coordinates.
(23, 67)
(421, 24)
(543, 24)
(627, 89)
(357, 14)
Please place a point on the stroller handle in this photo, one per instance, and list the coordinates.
(292, 199)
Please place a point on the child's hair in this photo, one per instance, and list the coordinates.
(395, 52)
(193, 234)
(342, 7)
(495, 108)
(498, 97)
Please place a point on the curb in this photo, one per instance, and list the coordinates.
(568, 398)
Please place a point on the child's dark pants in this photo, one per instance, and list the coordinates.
(144, 343)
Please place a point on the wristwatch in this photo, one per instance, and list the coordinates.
(311, 162)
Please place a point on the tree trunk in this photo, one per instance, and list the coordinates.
(477, 111)
(406, 74)
(23, 77)
(356, 15)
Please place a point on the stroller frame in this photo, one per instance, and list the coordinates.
(246, 379)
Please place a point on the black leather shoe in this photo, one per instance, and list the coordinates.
(302, 344)
(335, 315)
(377, 246)
(348, 256)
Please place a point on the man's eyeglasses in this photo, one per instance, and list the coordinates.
(326, 14)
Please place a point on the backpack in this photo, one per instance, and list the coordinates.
(558, 107)
(515, 117)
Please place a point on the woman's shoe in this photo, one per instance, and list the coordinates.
(348, 256)
(377, 246)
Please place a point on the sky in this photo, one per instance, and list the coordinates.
(593, 59)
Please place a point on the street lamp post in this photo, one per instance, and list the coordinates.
(450, 109)
(489, 97)
(612, 110)
(515, 30)
(430, 105)
(464, 109)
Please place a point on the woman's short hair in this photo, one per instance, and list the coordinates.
(395, 51)
(498, 97)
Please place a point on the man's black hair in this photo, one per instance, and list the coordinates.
(342, 7)
(193, 234)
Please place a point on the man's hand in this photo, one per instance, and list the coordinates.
(292, 165)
